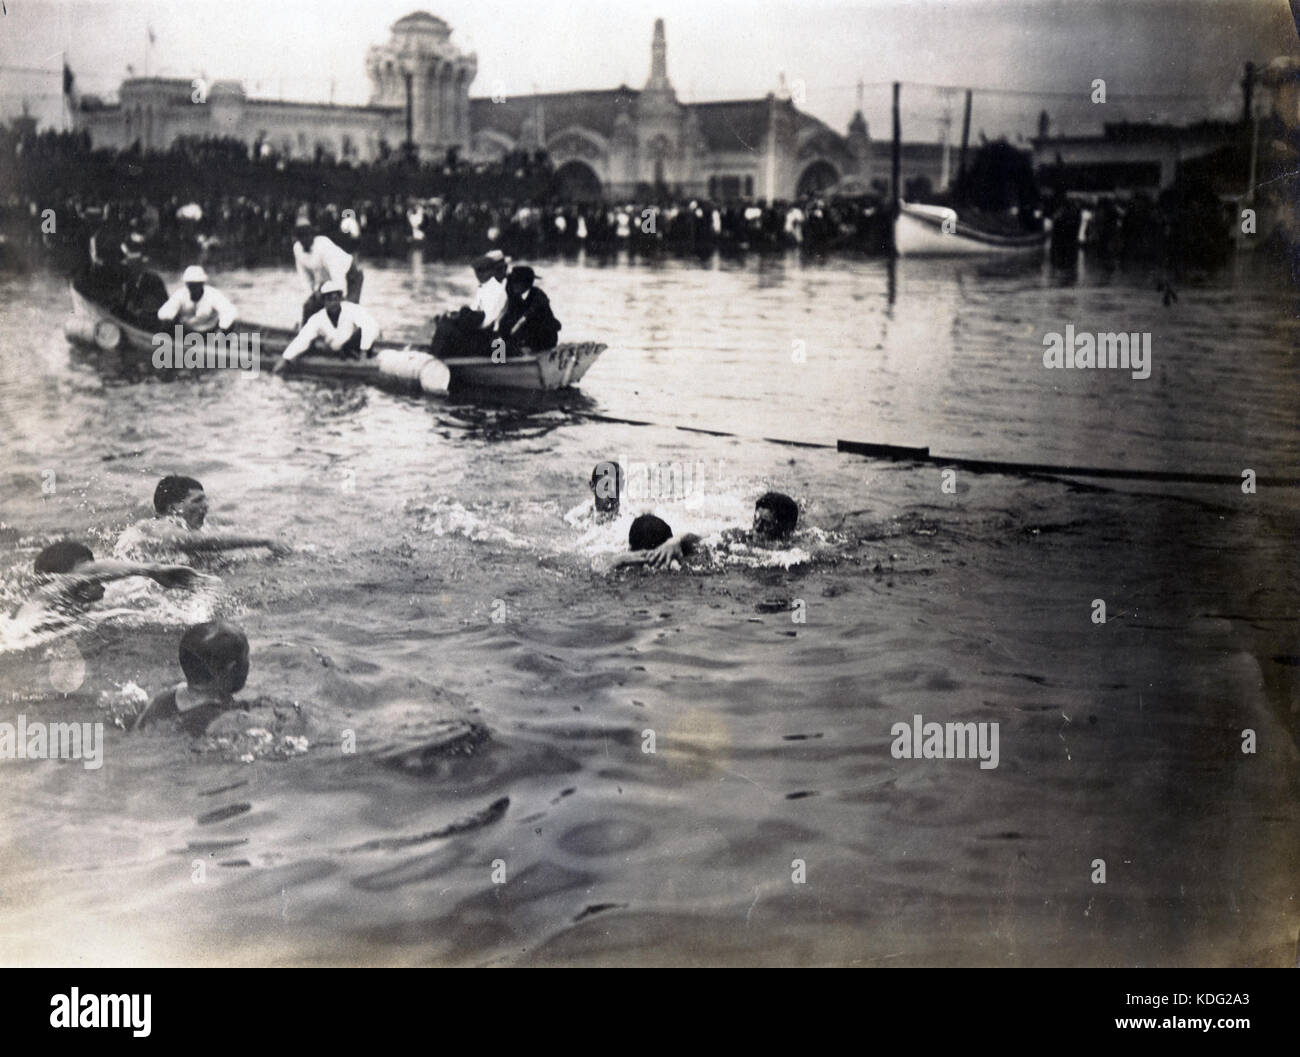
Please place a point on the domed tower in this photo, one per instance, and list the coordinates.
(421, 68)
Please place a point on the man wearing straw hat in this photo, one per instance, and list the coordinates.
(198, 306)
(472, 330)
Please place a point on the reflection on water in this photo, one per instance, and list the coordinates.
(445, 752)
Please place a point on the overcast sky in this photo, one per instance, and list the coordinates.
(717, 49)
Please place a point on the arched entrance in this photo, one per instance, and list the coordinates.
(816, 178)
(576, 181)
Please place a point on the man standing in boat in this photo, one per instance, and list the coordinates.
(343, 328)
(472, 330)
(197, 306)
(318, 260)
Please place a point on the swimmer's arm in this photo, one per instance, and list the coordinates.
(160, 706)
(607, 563)
(579, 513)
(678, 548)
(107, 570)
(207, 542)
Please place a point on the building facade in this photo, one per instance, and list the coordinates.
(613, 143)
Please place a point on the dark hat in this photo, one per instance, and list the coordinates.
(523, 274)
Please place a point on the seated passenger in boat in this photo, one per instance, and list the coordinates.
(197, 306)
(319, 260)
(341, 328)
(471, 331)
(528, 323)
(143, 291)
(118, 280)
(214, 660)
(69, 580)
(180, 508)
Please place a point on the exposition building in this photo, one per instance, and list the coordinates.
(614, 143)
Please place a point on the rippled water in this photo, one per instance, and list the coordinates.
(439, 606)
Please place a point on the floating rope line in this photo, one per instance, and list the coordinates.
(1029, 468)
(902, 453)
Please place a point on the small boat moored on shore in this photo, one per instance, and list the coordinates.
(938, 231)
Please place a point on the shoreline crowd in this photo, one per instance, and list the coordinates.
(220, 202)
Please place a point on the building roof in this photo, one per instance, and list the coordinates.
(726, 125)
(732, 124)
(596, 110)
(420, 20)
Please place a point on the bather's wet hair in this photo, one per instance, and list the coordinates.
(215, 654)
(63, 557)
(606, 485)
(784, 510)
(173, 489)
(647, 532)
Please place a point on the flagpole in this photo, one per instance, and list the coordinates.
(63, 94)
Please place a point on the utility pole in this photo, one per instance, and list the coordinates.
(896, 159)
(965, 138)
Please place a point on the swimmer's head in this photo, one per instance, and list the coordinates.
(606, 484)
(64, 557)
(182, 496)
(648, 532)
(214, 657)
(775, 515)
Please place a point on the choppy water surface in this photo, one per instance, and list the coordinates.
(439, 606)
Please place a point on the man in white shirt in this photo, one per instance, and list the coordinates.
(197, 306)
(470, 332)
(341, 327)
(319, 259)
(491, 299)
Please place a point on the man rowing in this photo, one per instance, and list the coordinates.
(472, 330)
(198, 306)
(319, 260)
(341, 327)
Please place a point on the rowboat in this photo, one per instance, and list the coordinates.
(393, 364)
(937, 231)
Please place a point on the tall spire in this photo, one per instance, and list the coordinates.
(658, 60)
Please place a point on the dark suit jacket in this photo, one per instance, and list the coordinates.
(539, 328)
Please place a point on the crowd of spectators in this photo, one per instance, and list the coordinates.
(224, 201)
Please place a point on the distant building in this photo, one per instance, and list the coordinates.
(419, 64)
(605, 143)
(622, 142)
(1128, 157)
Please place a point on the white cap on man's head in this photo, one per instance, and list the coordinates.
(194, 274)
(332, 286)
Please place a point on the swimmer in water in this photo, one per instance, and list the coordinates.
(775, 518)
(647, 536)
(606, 485)
(214, 659)
(71, 580)
(180, 508)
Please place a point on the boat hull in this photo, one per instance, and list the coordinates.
(555, 368)
(935, 231)
(91, 325)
